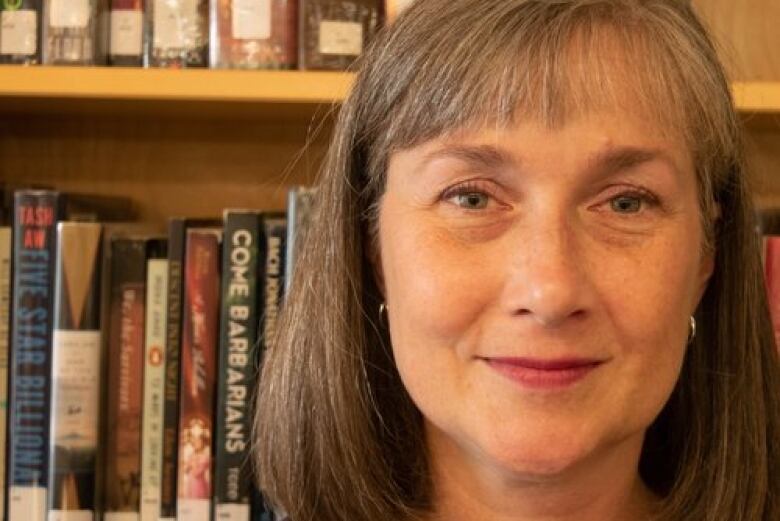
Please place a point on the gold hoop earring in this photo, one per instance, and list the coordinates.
(382, 312)
(691, 330)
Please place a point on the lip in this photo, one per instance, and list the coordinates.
(544, 374)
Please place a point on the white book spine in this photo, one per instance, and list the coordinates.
(154, 380)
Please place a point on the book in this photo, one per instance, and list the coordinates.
(198, 367)
(34, 252)
(5, 318)
(127, 27)
(254, 34)
(275, 231)
(177, 241)
(72, 32)
(333, 33)
(179, 32)
(76, 372)
(122, 480)
(243, 254)
(299, 207)
(154, 380)
(20, 31)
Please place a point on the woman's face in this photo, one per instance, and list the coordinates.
(539, 285)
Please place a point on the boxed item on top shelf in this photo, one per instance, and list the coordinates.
(335, 32)
(254, 34)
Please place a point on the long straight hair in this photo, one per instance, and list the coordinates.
(337, 436)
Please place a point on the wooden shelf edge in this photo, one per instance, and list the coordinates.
(240, 86)
(209, 85)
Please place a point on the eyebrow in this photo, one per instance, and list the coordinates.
(605, 162)
(486, 157)
(618, 159)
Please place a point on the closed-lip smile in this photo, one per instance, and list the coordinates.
(544, 374)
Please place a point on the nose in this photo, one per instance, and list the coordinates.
(548, 280)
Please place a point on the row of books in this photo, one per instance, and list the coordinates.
(133, 361)
(249, 34)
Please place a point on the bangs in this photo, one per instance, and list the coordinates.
(500, 62)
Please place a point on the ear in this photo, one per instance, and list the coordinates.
(707, 264)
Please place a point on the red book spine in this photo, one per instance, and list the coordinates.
(200, 331)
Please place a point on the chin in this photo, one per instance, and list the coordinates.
(536, 455)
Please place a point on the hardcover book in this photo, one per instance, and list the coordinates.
(334, 32)
(72, 32)
(126, 43)
(198, 368)
(243, 253)
(20, 31)
(177, 240)
(125, 376)
(154, 380)
(179, 33)
(76, 365)
(34, 252)
(254, 34)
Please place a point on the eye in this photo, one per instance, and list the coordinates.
(472, 196)
(626, 204)
(472, 200)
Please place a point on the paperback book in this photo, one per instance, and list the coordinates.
(76, 373)
(32, 319)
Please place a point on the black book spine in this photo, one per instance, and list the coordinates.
(243, 253)
(21, 29)
(176, 245)
(34, 253)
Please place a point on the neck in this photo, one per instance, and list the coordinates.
(606, 487)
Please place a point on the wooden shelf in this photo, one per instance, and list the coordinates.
(194, 92)
(228, 93)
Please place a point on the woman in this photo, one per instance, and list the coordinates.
(532, 289)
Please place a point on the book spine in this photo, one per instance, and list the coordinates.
(242, 254)
(126, 44)
(125, 374)
(199, 353)
(154, 379)
(76, 363)
(275, 230)
(20, 31)
(176, 246)
(34, 252)
(5, 318)
(70, 32)
(179, 32)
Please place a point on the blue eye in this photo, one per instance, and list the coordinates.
(472, 200)
(626, 203)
